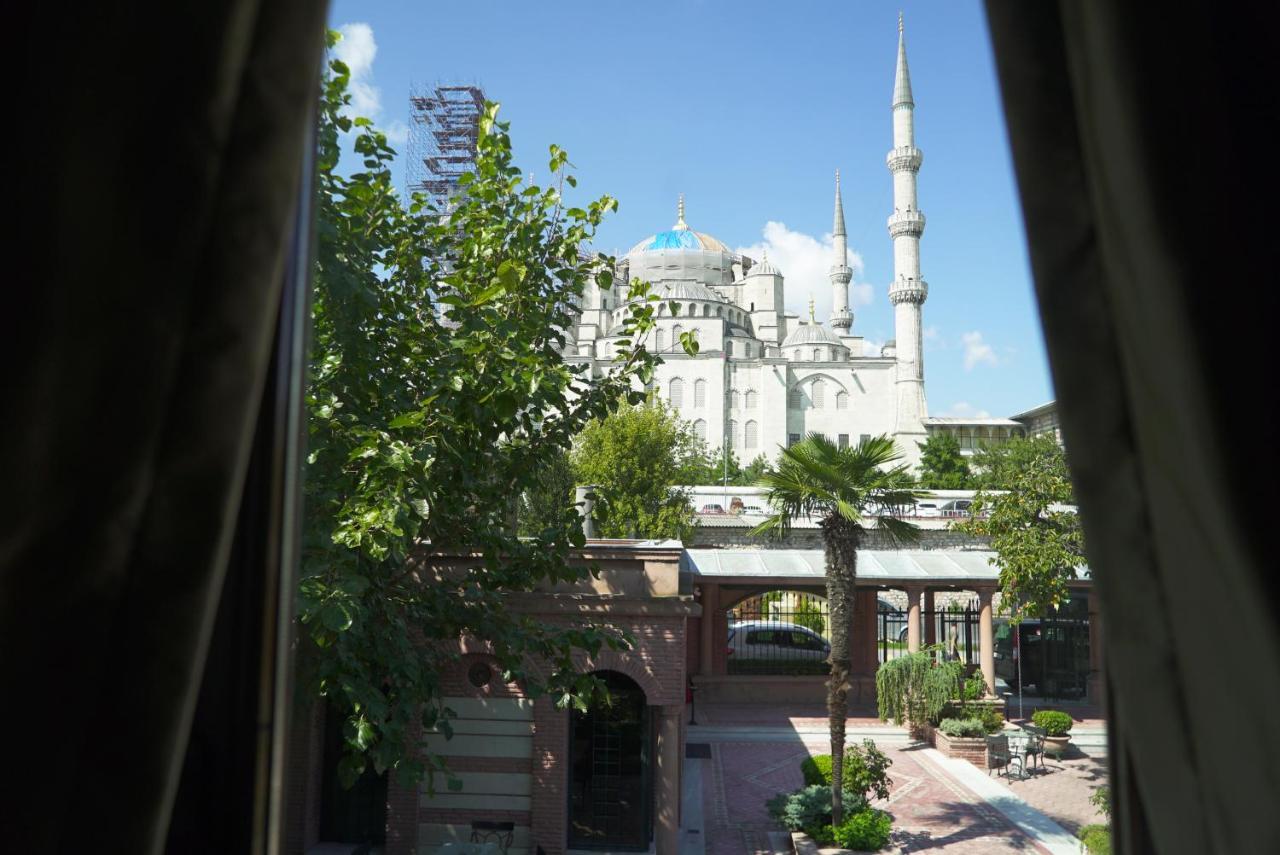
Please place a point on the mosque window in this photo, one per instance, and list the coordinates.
(735, 399)
(718, 311)
(818, 394)
(676, 332)
(750, 435)
(817, 354)
(792, 439)
(699, 394)
(728, 348)
(706, 311)
(842, 400)
(735, 438)
(659, 340)
(700, 429)
(864, 439)
(793, 399)
(844, 440)
(676, 398)
(750, 399)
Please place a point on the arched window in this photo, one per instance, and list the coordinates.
(659, 340)
(842, 400)
(676, 398)
(817, 354)
(706, 310)
(699, 394)
(750, 435)
(735, 439)
(734, 399)
(676, 332)
(728, 348)
(700, 429)
(718, 311)
(794, 401)
(818, 393)
(750, 399)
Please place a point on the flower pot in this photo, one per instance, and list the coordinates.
(1056, 746)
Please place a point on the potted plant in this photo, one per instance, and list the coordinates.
(1057, 728)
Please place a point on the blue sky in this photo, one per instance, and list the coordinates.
(748, 109)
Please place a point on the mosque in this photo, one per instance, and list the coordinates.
(763, 378)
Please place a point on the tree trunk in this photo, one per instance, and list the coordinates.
(840, 539)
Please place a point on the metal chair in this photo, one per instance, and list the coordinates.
(999, 756)
(500, 834)
(1035, 745)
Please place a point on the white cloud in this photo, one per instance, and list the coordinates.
(358, 49)
(805, 261)
(932, 335)
(397, 133)
(976, 351)
(964, 410)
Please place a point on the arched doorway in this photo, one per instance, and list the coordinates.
(610, 770)
(781, 632)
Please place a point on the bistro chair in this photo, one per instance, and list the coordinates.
(497, 834)
(1000, 757)
(1035, 745)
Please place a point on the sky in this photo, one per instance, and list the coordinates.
(748, 108)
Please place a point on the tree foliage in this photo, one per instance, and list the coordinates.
(437, 394)
(542, 504)
(942, 467)
(841, 487)
(1033, 526)
(635, 458)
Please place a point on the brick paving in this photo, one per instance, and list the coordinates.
(931, 811)
(1062, 790)
(769, 715)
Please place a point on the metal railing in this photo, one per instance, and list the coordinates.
(781, 633)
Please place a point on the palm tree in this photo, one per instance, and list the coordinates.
(841, 487)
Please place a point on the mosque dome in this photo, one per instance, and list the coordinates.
(811, 333)
(683, 290)
(680, 236)
(764, 268)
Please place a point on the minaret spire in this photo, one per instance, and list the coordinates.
(680, 225)
(840, 274)
(909, 290)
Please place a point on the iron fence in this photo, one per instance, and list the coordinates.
(955, 629)
(779, 632)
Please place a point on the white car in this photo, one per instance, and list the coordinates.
(770, 639)
(926, 509)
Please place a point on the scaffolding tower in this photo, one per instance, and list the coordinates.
(443, 126)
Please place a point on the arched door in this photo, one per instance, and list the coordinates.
(610, 782)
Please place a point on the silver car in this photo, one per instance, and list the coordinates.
(768, 639)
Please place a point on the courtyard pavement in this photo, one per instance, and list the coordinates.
(939, 805)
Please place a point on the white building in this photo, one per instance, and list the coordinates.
(763, 378)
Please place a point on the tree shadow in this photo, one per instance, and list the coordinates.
(966, 825)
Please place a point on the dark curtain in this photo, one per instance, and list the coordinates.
(154, 200)
(1141, 138)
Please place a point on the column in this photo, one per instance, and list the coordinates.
(1095, 681)
(930, 619)
(666, 819)
(706, 629)
(913, 617)
(986, 640)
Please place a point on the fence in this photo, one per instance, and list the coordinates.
(779, 632)
(958, 624)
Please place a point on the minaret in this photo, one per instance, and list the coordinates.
(841, 317)
(909, 290)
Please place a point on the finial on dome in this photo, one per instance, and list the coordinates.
(899, 20)
(680, 223)
(765, 253)
(812, 319)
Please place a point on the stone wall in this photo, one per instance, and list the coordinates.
(725, 537)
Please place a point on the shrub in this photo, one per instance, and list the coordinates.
(809, 809)
(866, 771)
(865, 831)
(963, 727)
(1055, 723)
(1096, 839)
(1101, 800)
(808, 615)
(916, 687)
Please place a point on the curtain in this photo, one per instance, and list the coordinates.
(1135, 136)
(154, 200)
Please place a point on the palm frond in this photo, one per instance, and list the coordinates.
(899, 532)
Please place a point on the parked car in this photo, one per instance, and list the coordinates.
(956, 508)
(712, 509)
(765, 639)
(926, 509)
(754, 510)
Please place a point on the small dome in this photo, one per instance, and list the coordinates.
(684, 290)
(680, 236)
(764, 268)
(812, 333)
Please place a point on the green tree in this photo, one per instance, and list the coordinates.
(995, 467)
(942, 467)
(437, 393)
(751, 474)
(542, 505)
(636, 458)
(839, 486)
(1033, 526)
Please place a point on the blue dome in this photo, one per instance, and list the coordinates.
(675, 239)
